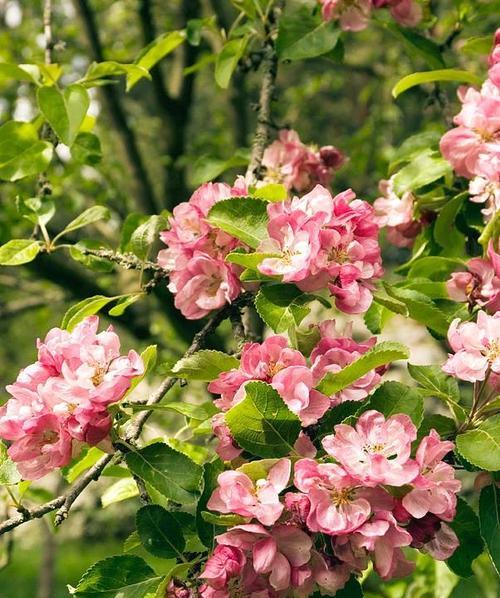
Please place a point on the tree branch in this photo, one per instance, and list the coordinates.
(47, 30)
(262, 131)
(146, 197)
(64, 502)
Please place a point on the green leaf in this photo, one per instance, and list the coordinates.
(198, 412)
(435, 267)
(415, 145)
(22, 153)
(398, 307)
(123, 303)
(393, 397)
(160, 533)
(432, 76)
(31, 73)
(435, 383)
(65, 111)
(146, 234)
(148, 357)
(444, 426)
(124, 576)
(18, 251)
(425, 168)
(198, 454)
(153, 53)
(38, 210)
(489, 521)
(123, 489)
(8, 470)
(445, 230)
(86, 149)
(206, 530)
(171, 473)
(207, 168)
(242, 217)
(481, 446)
(88, 216)
(271, 192)
(262, 424)
(466, 526)
(87, 307)
(77, 252)
(421, 308)
(418, 44)
(248, 260)
(88, 458)
(222, 520)
(131, 222)
(204, 365)
(282, 306)
(317, 42)
(227, 60)
(98, 72)
(381, 354)
(476, 45)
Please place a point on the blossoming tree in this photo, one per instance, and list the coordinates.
(304, 469)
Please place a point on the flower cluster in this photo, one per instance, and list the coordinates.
(473, 147)
(287, 371)
(353, 15)
(61, 400)
(476, 347)
(320, 241)
(396, 214)
(480, 285)
(199, 277)
(366, 499)
(297, 166)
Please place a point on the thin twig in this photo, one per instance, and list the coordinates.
(128, 261)
(47, 30)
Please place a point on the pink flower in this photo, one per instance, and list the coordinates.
(476, 346)
(443, 544)
(226, 562)
(295, 385)
(475, 142)
(353, 15)
(382, 538)
(227, 449)
(62, 398)
(487, 191)
(481, 284)
(337, 502)
(333, 352)
(276, 553)
(397, 215)
(406, 12)
(434, 489)
(203, 285)
(176, 589)
(294, 240)
(259, 361)
(297, 166)
(44, 446)
(236, 493)
(376, 451)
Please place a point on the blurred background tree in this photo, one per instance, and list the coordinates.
(158, 143)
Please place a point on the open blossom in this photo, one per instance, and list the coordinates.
(199, 277)
(62, 398)
(236, 493)
(227, 449)
(375, 451)
(480, 285)
(473, 147)
(476, 347)
(334, 352)
(320, 241)
(259, 361)
(487, 191)
(336, 500)
(434, 489)
(382, 539)
(290, 162)
(397, 215)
